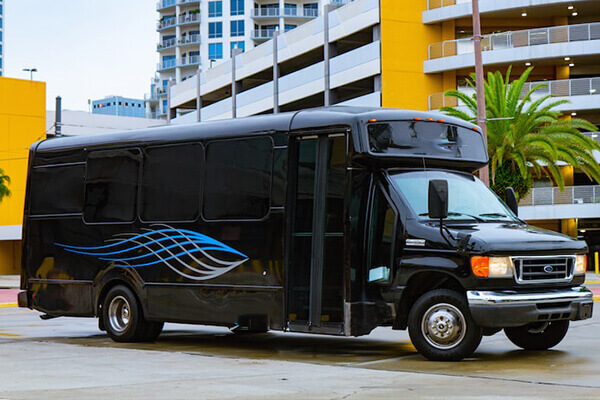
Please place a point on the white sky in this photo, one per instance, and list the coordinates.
(83, 49)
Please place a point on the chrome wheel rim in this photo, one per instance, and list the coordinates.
(443, 326)
(119, 314)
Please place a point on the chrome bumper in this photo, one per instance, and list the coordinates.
(511, 297)
(502, 309)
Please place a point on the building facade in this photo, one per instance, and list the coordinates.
(406, 54)
(1, 37)
(199, 34)
(22, 122)
(119, 106)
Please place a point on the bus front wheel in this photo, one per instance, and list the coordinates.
(441, 327)
(123, 318)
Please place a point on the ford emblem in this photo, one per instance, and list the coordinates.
(548, 269)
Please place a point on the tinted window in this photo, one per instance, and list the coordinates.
(426, 138)
(171, 183)
(381, 238)
(238, 179)
(111, 186)
(57, 190)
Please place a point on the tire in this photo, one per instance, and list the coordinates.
(123, 318)
(441, 327)
(538, 335)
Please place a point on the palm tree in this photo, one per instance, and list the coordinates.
(527, 136)
(4, 181)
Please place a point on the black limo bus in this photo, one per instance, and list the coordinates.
(330, 220)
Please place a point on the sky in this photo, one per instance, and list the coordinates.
(82, 49)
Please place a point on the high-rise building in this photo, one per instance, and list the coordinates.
(198, 34)
(1, 37)
(398, 53)
(119, 106)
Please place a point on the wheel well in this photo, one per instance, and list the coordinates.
(418, 285)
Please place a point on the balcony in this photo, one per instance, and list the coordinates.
(507, 47)
(193, 18)
(190, 39)
(165, 44)
(167, 64)
(285, 12)
(551, 203)
(446, 10)
(163, 4)
(583, 94)
(262, 34)
(167, 23)
(188, 61)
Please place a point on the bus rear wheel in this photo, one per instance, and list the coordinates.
(441, 327)
(538, 335)
(123, 318)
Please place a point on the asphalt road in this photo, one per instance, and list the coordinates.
(68, 358)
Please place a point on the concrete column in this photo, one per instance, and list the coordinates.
(281, 12)
(327, 53)
(275, 72)
(169, 111)
(235, 85)
(198, 96)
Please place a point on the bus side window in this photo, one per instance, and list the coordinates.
(238, 179)
(171, 182)
(381, 238)
(111, 186)
(57, 189)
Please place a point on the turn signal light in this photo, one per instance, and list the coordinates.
(580, 264)
(480, 266)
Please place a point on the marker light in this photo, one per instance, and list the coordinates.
(492, 267)
(373, 120)
(580, 264)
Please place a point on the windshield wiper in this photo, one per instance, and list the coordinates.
(476, 218)
(494, 215)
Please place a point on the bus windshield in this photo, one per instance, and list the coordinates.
(426, 139)
(468, 197)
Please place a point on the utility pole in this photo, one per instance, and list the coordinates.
(479, 87)
(58, 118)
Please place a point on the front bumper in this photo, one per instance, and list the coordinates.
(503, 309)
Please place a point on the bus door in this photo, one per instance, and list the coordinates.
(315, 233)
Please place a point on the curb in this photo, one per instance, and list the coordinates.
(7, 305)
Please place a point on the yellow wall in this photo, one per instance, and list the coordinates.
(404, 42)
(22, 122)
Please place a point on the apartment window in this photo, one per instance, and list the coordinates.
(237, 7)
(237, 28)
(311, 9)
(215, 30)
(289, 27)
(290, 9)
(215, 8)
(215, 51)
(240, 45)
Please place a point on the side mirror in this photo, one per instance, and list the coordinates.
(511, 200)
(438, 199)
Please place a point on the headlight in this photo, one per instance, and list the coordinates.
(580, 264)
(492, 267)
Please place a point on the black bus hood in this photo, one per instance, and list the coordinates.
(510, 239)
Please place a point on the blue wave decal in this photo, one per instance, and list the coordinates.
(188, 253)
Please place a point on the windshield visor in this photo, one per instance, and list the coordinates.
(468, 197)
(420, 138)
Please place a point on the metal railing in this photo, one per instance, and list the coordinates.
(167, 22)
(190, 60)
(166, 64)
(277, 12)
(514, 39)
(432, 4)
(189, 18)
(170, 3)
(190, 39)
(165, 44)
(557, 88)
(262, 33)
(546, 196)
